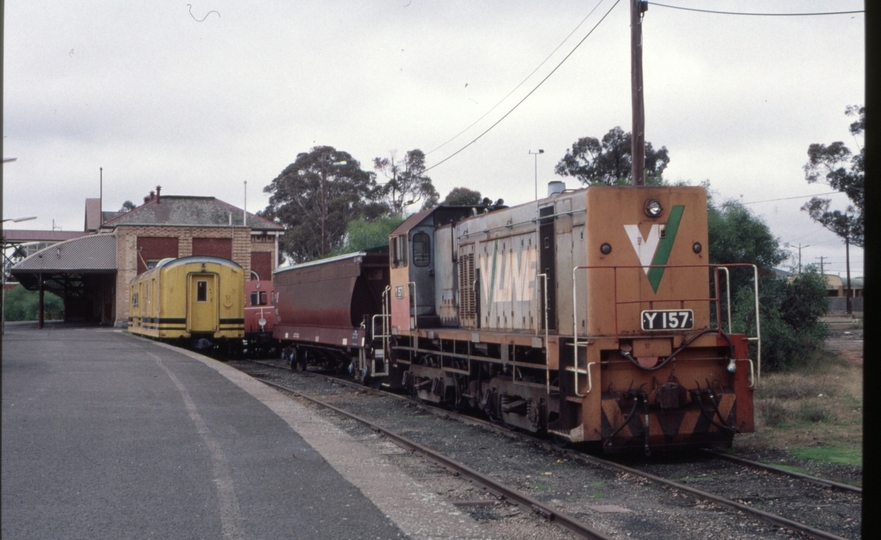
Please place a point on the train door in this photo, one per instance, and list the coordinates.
(548, 261)
(202, 307)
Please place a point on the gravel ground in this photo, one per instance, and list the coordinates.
(817, 506)
(620, 505)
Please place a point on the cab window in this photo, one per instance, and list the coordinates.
(421, 249)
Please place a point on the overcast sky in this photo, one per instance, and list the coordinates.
(199, 98)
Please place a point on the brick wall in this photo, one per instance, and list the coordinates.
(263, 253)
(152, 248)
(213, 247)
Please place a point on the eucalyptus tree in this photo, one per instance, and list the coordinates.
(316, 197)
(843, 170)
(406, 182)
(608, 161)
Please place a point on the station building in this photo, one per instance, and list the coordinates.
(91, 273)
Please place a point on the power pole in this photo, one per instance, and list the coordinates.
(799, 256)
(324, 159)
(848, 291)
(637, 139)
(821, 264)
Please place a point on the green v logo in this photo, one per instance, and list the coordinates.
(653, 251)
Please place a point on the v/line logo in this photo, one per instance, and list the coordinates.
(653, 251)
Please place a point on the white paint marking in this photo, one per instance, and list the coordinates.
(645, 247)
(230, 514)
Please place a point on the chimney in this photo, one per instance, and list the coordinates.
(157, 193)
(149, 197)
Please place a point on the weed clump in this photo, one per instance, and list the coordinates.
(772, 412)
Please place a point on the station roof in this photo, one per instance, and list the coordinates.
(95, 252)
(22, 236)
(171, 210)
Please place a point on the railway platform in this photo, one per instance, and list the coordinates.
(107, 435)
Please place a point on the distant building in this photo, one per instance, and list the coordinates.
(837, 287)
(92, 273)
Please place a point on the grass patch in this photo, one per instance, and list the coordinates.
(772, 412)
(816, 407)
(836, 455)
(793, 386)
(813, 413)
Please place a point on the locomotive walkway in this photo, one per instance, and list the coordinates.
(106, 435)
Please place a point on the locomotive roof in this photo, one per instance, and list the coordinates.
(441, 215)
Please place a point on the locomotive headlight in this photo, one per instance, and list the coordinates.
(606, 248)
(653, 208)
(696, 247)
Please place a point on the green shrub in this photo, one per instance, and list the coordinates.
(790, 311)
(24, 305)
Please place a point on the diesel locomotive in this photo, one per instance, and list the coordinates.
(589, 315)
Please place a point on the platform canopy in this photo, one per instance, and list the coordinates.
(62, 266)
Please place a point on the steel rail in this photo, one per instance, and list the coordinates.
(500, 490)
(746, 509)
(611, 465)
(780, 470)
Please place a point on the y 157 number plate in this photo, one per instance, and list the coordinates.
(667, 319)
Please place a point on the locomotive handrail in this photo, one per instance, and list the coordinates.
(414, 320)
(544, 277)
(728, 293)
(384, 335)
(717, 268)
(575, 343)
(585, 371)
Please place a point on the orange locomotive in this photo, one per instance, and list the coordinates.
(587, 315)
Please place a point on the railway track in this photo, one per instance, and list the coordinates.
(590, 496)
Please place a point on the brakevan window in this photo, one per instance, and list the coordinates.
(258, 298)
(421, 253)
(201, 291)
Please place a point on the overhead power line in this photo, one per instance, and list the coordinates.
(797, 197)
(814, 14)
(548, 76)
(543, 62)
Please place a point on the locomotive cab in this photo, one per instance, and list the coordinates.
(422, 272)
